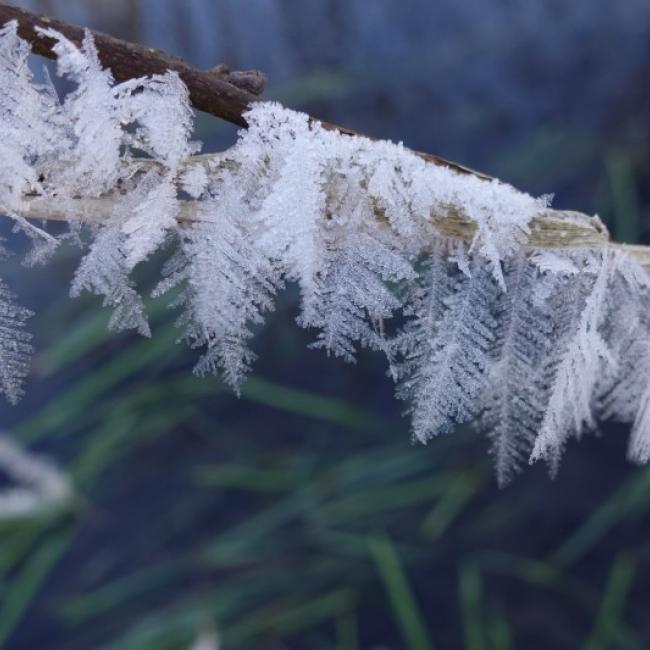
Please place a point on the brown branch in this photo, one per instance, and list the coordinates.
(211, 91)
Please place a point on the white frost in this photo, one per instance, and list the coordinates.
(532, 345)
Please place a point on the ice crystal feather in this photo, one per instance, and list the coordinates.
(15, 345)
(630, 398)
(627, 393)
(447, 348)
(228, 282)
(580, 355)
(353, 298)
(104, 271)
(533, 343)
(513, 401)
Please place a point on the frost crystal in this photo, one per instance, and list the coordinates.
(532, 345)
(228, 282)
(15, 346)
(515, 393)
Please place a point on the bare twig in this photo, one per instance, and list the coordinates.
(210, 91)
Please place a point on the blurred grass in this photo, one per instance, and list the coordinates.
(300, 548)
(400, 594)
(607, 622)
(624, 203)
(469, 588)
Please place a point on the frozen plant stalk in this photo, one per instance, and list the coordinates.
(367, 229)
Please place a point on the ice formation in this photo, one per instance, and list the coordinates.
(532, 345)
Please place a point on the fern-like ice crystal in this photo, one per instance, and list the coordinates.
(534, 346)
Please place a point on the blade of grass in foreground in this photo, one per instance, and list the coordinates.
(355, 506)
(26, 583)
(84, 607)
(498, 629)
(287, 399)
(625, 204)
(402, 599)
(469, 588)
(347, 632)
(630, 498)
(83, 393)
(286, 619)
(460, 489)
(608, 618)
(252, 478)
(88, 333)
(300, 402)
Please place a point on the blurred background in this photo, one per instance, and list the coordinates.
(301, 516)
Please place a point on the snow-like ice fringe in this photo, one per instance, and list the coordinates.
(532, 345)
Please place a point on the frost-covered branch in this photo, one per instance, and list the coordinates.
(523, 319)
(551, 229)
(220, 93)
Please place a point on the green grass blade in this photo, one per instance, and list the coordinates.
(25, 584)
(626, 214)
(630, 498)
(301, 402)
(469, 589)
(608, 619)
(375, 500)
(283, 619)
(498, 630)
(347, 632)
(459, 491)
(400, 594)
(253, 478)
